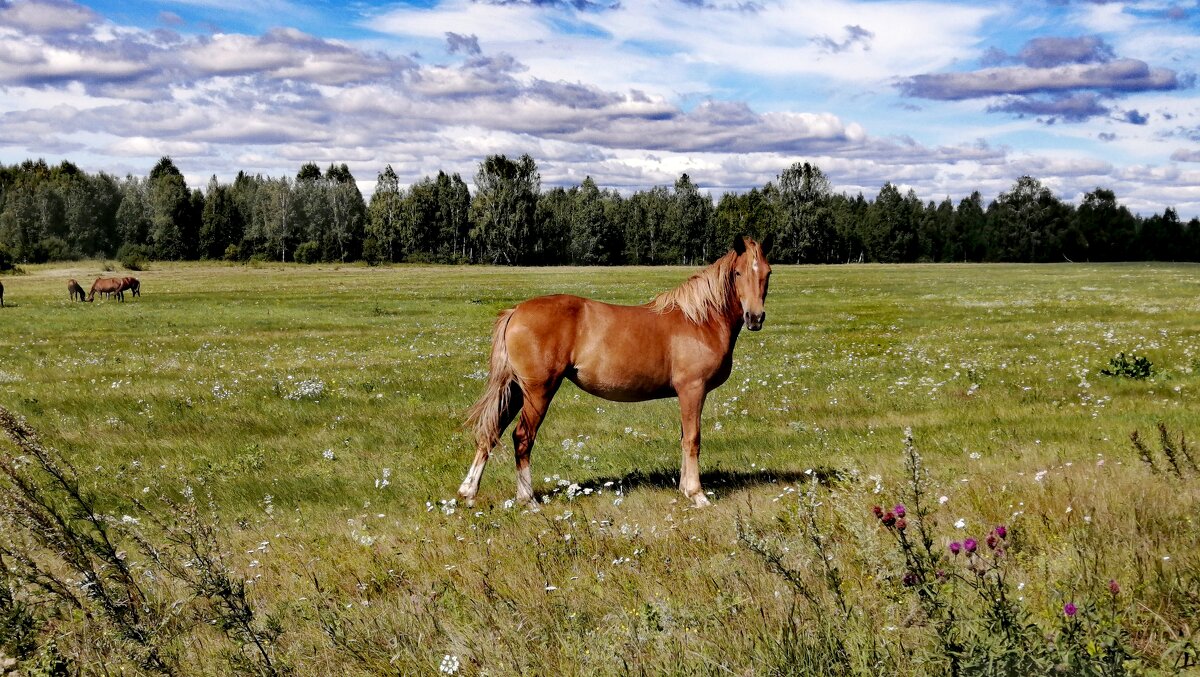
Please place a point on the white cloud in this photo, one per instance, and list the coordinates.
(46, 16)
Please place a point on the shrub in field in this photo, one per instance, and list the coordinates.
(6, 259)
(1137, 367)
(308, 252)
(133, 256)
(64, 559)
(1178, 456)
(967, 616)
(374, 251)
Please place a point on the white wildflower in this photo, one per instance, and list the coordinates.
(449, 665)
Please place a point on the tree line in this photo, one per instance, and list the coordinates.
(50, 213)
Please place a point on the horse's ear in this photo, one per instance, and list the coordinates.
(766, 243)
(739, 244)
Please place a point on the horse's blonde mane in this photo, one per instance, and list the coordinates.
(703, 294)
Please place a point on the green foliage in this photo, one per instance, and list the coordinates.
(513, 221)
(134, 257)
(18, 627)
(51, 249)
(504, 209)
(60, 546)
(1178, 456)
(308, 252)
(1137, 367)
(974, 620)
(232, 253)
(6, 259)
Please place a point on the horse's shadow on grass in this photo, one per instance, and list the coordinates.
(727, 481)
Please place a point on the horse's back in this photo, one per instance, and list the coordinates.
(613, 351)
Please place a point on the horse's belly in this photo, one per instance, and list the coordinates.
(620, 387)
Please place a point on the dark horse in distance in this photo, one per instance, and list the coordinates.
(75, 290)
(678, 345)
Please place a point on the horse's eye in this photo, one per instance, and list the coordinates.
(737, 273)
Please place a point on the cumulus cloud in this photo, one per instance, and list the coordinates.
(1070, 107)
(1068, 79)
(1121, 75)
(1051, 51)
(46, 17)
(289, 54)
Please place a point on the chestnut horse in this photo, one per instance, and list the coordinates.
(75, 290)
(107, 285)
(132, 284)
(678, 345)
(1, 294)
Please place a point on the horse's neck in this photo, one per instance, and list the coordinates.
(731, 320)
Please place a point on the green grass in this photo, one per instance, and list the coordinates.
(995, 369)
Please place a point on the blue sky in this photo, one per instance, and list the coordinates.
(941, 97)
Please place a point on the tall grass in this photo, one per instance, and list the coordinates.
(315, 414)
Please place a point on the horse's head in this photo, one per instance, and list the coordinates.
(751, 275)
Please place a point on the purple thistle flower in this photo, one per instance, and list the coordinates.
(955, 547)
(899, 510)
(991, 541)
(1114, 587)
(1069, 609)
(969, 545)
(900, 524)
(1001, 531)
(888, 519)
(877, 511)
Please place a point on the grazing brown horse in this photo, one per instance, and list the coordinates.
(75, 290)
(132, 284)
(107, 285)
(678, 345)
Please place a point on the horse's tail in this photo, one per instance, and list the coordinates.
(491, 413)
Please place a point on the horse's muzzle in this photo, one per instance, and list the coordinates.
(754, 321)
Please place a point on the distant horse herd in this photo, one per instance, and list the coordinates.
(105, 286)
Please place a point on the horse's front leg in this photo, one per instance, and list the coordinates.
(691, 403)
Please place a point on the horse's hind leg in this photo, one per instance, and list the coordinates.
(537, 402)
(470, 483)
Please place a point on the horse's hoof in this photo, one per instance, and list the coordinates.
(700, 501)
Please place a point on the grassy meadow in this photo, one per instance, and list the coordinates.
(319, 409)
